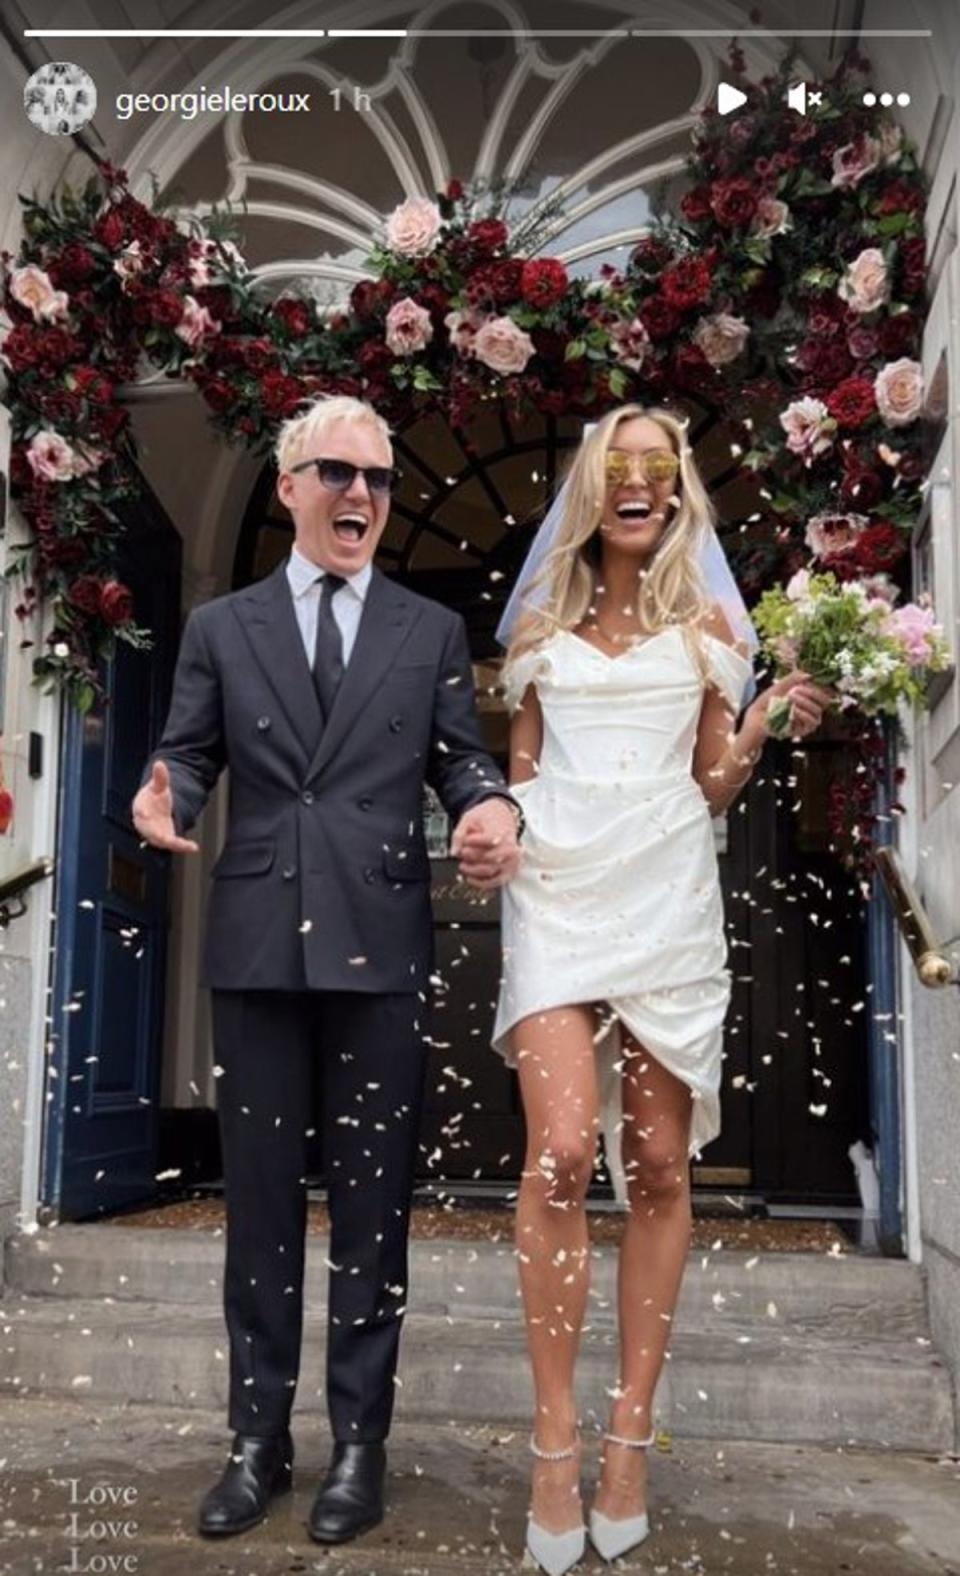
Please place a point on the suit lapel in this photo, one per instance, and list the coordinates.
(387, 618)
(269, 622)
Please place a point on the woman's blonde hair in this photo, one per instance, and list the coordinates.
(670, 591)
(300, 431)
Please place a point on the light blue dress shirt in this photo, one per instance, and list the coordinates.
(305, 579)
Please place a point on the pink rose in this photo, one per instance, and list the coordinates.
(899, 390)
(862, 342)
(51, 458)
(195, 322)
(809, 427)
(771, 218)
(915, 630)
(462, 327)
(33, 289)
(828, 535)
(853, 161)
(131, 262)
(408, 327)
(502, 346)
(413, 227)
(865, 285)
(721, 337)
(631, 343)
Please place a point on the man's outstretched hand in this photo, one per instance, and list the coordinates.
(152, 812)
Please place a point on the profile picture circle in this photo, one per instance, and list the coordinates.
(60, 98)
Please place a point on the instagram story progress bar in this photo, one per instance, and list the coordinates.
(443, 32)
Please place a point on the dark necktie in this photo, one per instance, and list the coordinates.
(328, 651)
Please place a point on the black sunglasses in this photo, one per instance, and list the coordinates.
(338, 475)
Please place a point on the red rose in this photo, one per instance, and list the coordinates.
(258, 355)
(487, 236)
(375, 356)
(695, 204)
(879, 547)
(913, 264)
(110, 229)
(107, 420)
(900, 197)
(55, 347)
(85, 593)
(293, 316)
(898, 334)
(163, 307)
(734, 202)
(658, 317)
(218, 395)
(365, 298)
(649, 254)
(281, 394)
(92, 385)
(454, 190)
(544, 282)
(76, 262)
(116, 602)
(826, 318)
(828, 363)
(852, 402)
(691, 369)
(861, 488)
(21, 347)
(686, 284)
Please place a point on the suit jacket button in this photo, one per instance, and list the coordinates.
(369, 875)
(307, 796)
(396, 723)
(263, 723)
(365, 804)
(289, 871)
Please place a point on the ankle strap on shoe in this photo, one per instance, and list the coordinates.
(632, 1444)
(554, 1455)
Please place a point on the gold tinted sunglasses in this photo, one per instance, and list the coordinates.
(656, 465)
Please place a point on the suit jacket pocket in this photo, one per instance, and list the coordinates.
(244, 859)
(406, 864)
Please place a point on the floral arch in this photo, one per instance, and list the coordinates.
(787, 296)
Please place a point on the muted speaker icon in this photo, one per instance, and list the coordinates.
(800, 96)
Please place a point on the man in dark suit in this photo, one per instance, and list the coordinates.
(332, 694)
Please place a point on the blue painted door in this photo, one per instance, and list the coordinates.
(112, 903)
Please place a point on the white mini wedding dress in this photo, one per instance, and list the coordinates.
(617, 901)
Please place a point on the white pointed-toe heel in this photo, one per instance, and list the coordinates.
(555, 1552)
(614, 1537)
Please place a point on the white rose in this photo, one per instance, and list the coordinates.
(412, 229)
(33, 289)
(865, 285)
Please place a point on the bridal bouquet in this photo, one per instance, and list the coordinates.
(849, 636)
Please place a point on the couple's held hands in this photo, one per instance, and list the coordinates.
(152, 812)
(792, 707)
(485, 842)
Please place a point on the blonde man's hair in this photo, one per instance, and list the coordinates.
(670, 591)
(297, 434)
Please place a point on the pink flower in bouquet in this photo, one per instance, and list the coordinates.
(198, 265)
(51, 458)
(865, 284)
(808, 426)
(408, 327)
(798, 586)
(631, 343)
(413, 227)
(462, 326)
(899, 390)
(915, 629)
(195, 322)
(829, 535)
(130, 263)
(502, 346)
(721, 337)
(881, 590)
(771, 218)
(33, 289)
(853, 161)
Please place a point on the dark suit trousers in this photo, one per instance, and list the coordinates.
(352, 1064)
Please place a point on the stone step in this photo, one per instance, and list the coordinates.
(848, 1293)
(725, 1382)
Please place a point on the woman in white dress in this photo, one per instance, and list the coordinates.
(625, 681)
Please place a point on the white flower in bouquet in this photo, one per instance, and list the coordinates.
(849, 636)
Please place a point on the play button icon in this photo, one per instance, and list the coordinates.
(729, 98)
